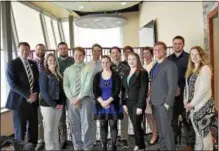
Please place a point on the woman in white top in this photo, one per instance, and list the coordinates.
(197, 97)
(148, 65)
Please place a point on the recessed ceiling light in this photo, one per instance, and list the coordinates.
(123, 3)
(81, 7)
(119, 22)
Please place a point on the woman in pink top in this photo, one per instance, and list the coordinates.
(148, 65)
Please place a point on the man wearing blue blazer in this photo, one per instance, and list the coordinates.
(22, 77)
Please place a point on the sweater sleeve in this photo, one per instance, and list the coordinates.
(204, 85)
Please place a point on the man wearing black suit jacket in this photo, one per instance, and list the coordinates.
(22, 77)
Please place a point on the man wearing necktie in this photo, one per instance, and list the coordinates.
(22, 77)
(77, 87)
(163, 89)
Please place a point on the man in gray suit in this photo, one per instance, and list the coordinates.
(163, 89)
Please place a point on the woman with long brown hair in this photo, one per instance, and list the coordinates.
(135, 83)
(197, 97)
(52, 101)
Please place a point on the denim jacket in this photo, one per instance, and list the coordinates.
(50, 89)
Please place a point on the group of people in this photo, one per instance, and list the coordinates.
(109, 89)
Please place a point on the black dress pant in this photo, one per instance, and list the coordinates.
(136, 122)
(26, 124)
(104, 132)
(178, 109)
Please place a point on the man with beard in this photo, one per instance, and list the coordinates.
(120, 68)
(64, 62)
(39, 59)
(181, 59)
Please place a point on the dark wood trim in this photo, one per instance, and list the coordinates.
(211, 15)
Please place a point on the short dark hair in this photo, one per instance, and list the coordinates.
(96, 45)
(161, 43)
(62, 43)
(128, 48)
(81, 49)
(115, 47)
(150, 49)
(24, 44)
(180, 38)
(40, 45)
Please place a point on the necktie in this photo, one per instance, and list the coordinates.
(78, 80)
(29, 75)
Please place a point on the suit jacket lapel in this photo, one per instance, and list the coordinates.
(159, 69)
(134, 78)
(22, 67)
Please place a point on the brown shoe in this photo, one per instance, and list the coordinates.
(188, 148)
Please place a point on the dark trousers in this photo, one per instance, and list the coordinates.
(136, 122)
(26, 124)
(178, 109)
(163, 118)
(63, 127)
(104, 132)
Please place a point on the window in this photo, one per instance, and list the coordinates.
(106, 37)
(56, 30)
(65, 26)
(28, 24)
(3, 81)
(52, 44)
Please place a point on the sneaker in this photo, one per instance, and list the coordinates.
(124, 144)
(39, 146)
(136, 148)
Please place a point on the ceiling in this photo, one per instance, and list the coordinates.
(86, 7)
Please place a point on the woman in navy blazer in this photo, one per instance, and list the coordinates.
(135, 83)
(52, 100)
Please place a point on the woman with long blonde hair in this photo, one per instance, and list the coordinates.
(52, 101)
(197, 97)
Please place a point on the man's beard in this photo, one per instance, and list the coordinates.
(64, 55)
(40, 55)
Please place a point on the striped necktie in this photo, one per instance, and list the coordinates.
(78, 81)
(29, 75)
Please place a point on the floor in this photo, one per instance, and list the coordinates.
(131, 145)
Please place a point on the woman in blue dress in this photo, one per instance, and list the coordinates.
(106, 89)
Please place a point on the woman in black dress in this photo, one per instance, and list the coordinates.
(106, 89)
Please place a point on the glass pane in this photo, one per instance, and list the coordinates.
(65, 26)
(56, 29)
(28, 24)
(50, 33)
(1, 45)
(3, 81)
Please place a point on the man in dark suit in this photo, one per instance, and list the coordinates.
(163, 89)
(22, 77)
(181, 59)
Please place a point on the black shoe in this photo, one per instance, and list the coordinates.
(39, 146)
(63, 145)
(124, 144)
(150, 144)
